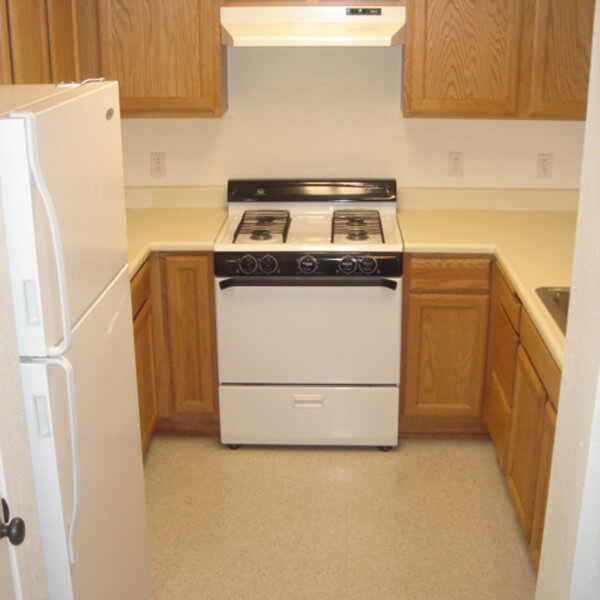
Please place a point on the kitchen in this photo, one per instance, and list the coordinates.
(257, 128)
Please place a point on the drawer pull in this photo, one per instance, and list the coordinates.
(308, 400)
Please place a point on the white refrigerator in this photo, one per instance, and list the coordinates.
(61, 184)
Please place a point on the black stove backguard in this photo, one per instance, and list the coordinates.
(311, 190)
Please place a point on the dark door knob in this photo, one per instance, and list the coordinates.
(13, 530)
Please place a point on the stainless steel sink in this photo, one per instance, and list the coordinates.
(556, 300)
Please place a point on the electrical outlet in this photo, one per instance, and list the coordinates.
(543, 168)
(456, 162)
(158, 165)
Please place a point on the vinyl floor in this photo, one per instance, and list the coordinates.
(429, 520)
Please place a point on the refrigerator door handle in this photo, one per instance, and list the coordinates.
(38, 178)
(67, 367)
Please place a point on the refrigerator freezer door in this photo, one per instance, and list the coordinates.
(110, 541)
(78, 144)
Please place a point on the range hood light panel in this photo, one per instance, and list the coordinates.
(312, 26)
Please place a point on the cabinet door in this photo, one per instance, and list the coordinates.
(462, 57)
(64, 40)
(191, 333)
(504, 353)
(562, 41)
(28, 30)
(541, 495)
(529, 400)
(498, 418)
(143, 334)
(166, 55)
(5, 66)
(446, 344)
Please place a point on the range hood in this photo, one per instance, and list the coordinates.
(312, 26)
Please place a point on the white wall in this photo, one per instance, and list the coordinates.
(570, 558)
(334, 112)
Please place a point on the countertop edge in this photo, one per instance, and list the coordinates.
(138, 260)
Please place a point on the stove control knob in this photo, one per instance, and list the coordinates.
(248, 264)
(368, 265)
(307, 264)
(268, 264)
(347, 265)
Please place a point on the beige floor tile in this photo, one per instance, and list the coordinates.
(431, 519)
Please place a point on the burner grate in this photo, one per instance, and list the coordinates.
(262, 225)
(356, 225)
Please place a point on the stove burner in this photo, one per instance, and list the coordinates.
(357, 234)
(265, 220)
(260, 234)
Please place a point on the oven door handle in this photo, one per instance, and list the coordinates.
(308, 282)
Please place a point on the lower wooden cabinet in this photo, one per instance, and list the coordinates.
(445, 333)
(143, 332)
(445, 364)
(539, 511)
(145, 355)
(506, 310)
(498, 418)
(175, 345)
(529, 402)
(188, 314)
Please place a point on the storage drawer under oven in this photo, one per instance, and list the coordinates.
(347, 334)
(363, 416)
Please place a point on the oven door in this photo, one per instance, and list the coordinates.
(303, 330)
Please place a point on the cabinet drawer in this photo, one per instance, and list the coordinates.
(509, 300)
(541, 358)
(140, 288)
(449, 274)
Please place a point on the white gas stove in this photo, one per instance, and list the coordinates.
(308, 303)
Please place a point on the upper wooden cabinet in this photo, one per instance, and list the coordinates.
(165, 55)
(5, 66)
(28, 34)
(462, 57)
(503, 58)
(561, 39)
(39, 41)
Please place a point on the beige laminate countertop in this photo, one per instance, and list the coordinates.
(534, 248)
(151, 229)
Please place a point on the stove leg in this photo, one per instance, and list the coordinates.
(384, 448)
(234, 446)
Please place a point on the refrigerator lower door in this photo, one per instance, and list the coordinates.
(106, 555)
